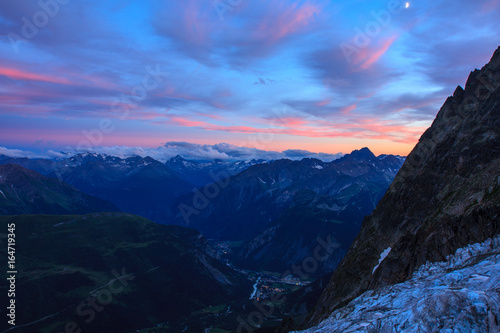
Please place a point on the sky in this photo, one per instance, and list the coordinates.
(308, 76)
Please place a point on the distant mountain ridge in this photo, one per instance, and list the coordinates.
(201, 173)
(24, 191)
(267, 189)
(136, 185)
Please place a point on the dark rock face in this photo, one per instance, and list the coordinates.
(446, 196)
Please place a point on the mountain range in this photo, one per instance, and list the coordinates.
(445, 197)
(135, 185)
(278, 210)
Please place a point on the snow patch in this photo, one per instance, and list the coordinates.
(3, 195)
(319, 167)
(262, 180)
(382, 257)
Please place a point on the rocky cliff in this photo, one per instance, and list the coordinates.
(445, 197)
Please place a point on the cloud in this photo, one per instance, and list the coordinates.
(17, 74)
(260, 81)
(249, 31)
(372, 56)
(300, 154)
(189, 151)
(222, 151)
(18, 153)
(344, 125)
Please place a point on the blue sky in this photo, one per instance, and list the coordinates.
(322, 76)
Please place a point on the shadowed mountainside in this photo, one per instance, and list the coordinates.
(446, 196)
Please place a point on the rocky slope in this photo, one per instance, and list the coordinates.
(445, 196)
(24, 191)
(461, 294)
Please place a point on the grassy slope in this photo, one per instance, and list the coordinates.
(61, 259)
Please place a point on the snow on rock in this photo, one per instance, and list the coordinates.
(461, 294)
(3, 194)
(382, 257)
(319, 167)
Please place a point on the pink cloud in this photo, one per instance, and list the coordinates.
(188, 122)
(68, 78)
(349, 108)
(370, 56)
(490, 6)
(324, 102)
(290, 20)
(365, 128)
(195, 27)
(17, 74)
(209, 115)
(291, 121)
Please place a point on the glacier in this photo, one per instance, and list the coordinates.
(461, 294)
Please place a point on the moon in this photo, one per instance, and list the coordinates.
(407, 5)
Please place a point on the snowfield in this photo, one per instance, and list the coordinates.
(382, 257)
(461, 294)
